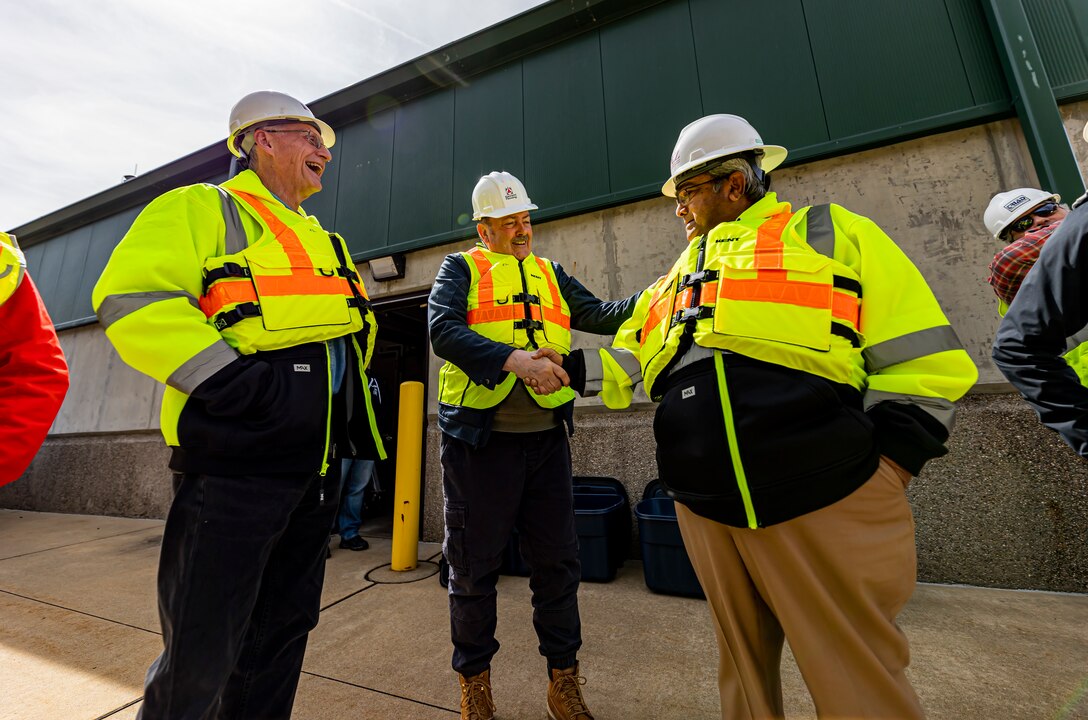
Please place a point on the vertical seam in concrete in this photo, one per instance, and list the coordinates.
(999, 166)
(612, 273)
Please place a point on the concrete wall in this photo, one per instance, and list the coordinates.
(1007, 507)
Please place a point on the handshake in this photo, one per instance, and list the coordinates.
(542, 371)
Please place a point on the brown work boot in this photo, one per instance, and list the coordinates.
(565, 700)
(476, 703)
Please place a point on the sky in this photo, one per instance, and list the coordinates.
(93, 90)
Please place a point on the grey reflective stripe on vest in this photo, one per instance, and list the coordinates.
(115, 307)
(819, 230)
(1077, 339)
(6, 271)
(235, 240)
(594, 366)
(910, 346)
(594, 372)
(202, 366)
(943, 411)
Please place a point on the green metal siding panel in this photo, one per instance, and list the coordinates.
(34, 255)
(105, 235)
(421, 202)
(323, 204)
(366, 173)
(651, 91)
(47, 270)
(769, 80)
(882, 64)
(566, 157)
(1060, 28)
(489, 136)
(977, 51)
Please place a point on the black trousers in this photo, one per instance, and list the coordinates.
(240, 576)
(516, 479)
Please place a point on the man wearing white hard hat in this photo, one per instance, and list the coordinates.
(805, 373)
(504, 417)
(1042, 342)
(254, 318)
(1022, 219)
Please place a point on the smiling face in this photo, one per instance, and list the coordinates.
(509, 235)
(291, 161)
(704, 202)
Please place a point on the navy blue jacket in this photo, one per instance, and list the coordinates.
(482, 359)
(1051, 306)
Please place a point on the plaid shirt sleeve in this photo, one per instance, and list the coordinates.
(1011, 264)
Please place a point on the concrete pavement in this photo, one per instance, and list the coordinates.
(78, 628)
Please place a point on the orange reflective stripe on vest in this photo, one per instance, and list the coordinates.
(657, 309)
(553, 314)
(485, 293)
(286, 237)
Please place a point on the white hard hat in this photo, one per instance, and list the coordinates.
(717, 136)
(1006, 207)
(499, 194)
(267, 105)
(1086, 132)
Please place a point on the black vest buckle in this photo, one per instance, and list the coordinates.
(701, 312)
(246, 310)
(698, 277)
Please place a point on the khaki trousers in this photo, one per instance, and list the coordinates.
(831, 582)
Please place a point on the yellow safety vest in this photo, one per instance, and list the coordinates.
(290, 286)
(517, 304)
(758, 290)
(12, 266)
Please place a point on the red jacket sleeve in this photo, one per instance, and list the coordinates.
(33, 379)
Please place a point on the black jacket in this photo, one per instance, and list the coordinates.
(1051, 306)
(268, 412)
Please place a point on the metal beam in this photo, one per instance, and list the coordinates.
(1033, 98)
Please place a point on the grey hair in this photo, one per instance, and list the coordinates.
(754, 187)
(246, 144)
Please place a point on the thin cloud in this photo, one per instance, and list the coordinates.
(93, 89)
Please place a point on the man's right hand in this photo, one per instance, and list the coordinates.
(549, 354)
(540, 373)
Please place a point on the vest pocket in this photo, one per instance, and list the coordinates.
(293, 297)
(790, 304)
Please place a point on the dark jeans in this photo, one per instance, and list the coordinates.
(240, 575)
(521, 479)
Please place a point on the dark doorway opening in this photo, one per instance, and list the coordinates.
(400, 355)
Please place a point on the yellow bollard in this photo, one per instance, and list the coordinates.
(406, 495)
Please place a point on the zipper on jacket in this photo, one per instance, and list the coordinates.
(328, 418)
(731, 439)
(372, 417)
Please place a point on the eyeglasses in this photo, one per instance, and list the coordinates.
(1024, 224)
(314, 140)
(684, 195)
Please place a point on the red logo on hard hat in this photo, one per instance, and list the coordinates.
(510, 193)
